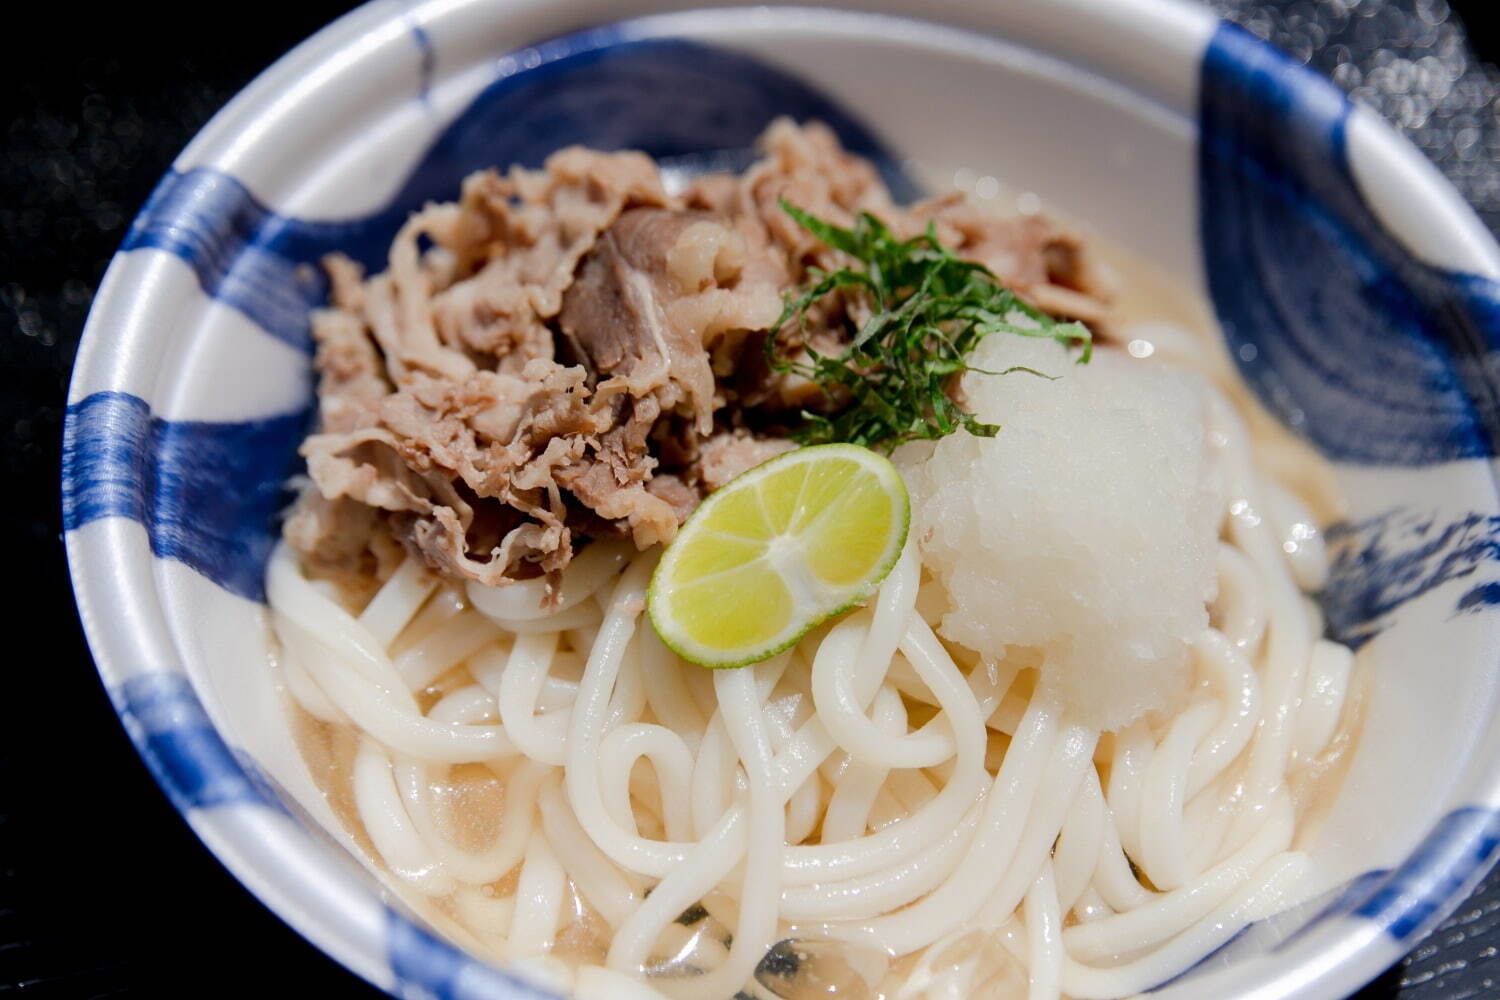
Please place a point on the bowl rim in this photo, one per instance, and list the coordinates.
(264, 850)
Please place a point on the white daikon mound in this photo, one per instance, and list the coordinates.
(1086, 529)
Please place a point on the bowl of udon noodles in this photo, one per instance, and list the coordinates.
(1178, 370)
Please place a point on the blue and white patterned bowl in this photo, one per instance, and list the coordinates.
(1356, 290)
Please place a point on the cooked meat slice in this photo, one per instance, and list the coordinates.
(534, 226)
(730, 453)
(658, 288)
(440, 403)
(500, 260)
(1066, 264)
(442, 542)
(614, 314)
(331, 533)
(346, 283)
(1029, 254)
(451, 423)
(490, 316)
(353, 376)
(807, 167)
(681, 497)
(650, 518)
(366, 465)
(1065, 302)
(1078, 285)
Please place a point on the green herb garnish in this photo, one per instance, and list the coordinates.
(929, 309)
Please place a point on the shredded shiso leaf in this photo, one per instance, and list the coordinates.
(928, 309)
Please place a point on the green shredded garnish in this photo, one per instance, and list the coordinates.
(929, 310)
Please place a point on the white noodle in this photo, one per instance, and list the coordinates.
(1044, 935)
(539, 900)
(870, 790)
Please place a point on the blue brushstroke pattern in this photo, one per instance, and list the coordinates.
(428, 65)
(1464, 842)
(243, 254)
(1479, 598)
(1405, 902)
(428, 968)
(672, 99)
(1380, 564)
(1339, 902)
(207, 493)
(1375, 356)
(184, 751)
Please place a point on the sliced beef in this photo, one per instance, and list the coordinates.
(571, 352)
(441, 405)
(1030, 254)
(727, 454)
(657, 291)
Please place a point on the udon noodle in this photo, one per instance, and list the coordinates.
(871, 810)
(877, 812)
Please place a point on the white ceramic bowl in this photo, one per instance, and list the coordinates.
(1355, 288)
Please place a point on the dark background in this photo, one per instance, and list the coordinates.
(104, 891)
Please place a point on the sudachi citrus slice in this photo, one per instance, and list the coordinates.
(786, 545)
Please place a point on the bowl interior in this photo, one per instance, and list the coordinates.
(1248, 181)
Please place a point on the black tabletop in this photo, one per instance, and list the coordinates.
(104, 891)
